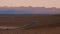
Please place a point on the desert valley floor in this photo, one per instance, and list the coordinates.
(44, 24)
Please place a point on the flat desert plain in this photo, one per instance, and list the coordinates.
(43, 23)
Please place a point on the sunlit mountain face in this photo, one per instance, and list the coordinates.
(30, 10)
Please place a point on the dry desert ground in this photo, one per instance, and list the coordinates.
(43, 24)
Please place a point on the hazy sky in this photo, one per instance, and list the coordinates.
(34, 3)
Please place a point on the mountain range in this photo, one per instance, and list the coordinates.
(29, 10)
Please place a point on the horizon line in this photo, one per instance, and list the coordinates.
(25, 7)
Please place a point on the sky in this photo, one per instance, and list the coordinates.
(34, 3)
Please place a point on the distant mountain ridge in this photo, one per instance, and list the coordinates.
(29, 10)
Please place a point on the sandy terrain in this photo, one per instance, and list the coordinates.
(45, 24)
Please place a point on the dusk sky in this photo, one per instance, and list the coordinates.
(34, 3)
